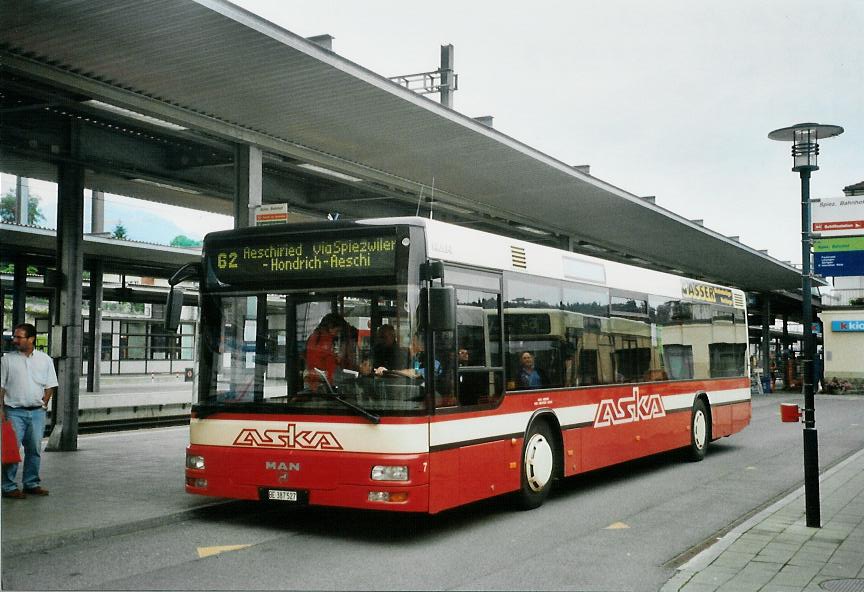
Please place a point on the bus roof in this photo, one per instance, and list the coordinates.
(457, 244)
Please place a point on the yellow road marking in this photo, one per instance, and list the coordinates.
(208, 551)
(616, 526)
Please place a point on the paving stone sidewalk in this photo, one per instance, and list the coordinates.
(774, 551)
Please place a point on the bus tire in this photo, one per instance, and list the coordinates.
(700, 431)
(538, 466)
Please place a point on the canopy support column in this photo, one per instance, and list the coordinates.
(248, 185)
(19, 291)
(68, 320)
(765, 347)
(94, 333)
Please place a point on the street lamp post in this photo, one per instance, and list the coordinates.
(805, 150)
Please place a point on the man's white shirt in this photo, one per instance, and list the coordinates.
(25, 378)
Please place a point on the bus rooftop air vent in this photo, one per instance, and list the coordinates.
(518, 256)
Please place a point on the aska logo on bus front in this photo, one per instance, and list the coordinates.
(290, 438)
(629, 409)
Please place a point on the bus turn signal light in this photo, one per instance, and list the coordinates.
(397, 497)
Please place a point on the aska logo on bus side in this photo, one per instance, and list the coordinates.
(629, 409)
(290, 438)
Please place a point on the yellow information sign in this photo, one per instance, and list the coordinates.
(703, 292)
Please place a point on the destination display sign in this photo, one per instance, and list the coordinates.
(706, 293)
(280, 259)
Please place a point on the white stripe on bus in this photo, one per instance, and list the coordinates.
(414, 438)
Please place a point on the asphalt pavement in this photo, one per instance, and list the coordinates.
(125, 482)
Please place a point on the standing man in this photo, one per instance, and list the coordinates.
(27, 380)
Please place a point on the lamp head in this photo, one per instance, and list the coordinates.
(805, 142)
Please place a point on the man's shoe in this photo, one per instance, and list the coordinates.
(15, 494)
(36, 491)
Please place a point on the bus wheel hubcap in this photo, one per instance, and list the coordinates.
(538, 462)
(699, 429)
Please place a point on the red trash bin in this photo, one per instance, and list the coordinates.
(790, 412)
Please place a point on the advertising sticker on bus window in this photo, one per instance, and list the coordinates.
(703, 292)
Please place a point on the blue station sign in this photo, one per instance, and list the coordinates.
(836, 257)
(847, 326)
(848, 263)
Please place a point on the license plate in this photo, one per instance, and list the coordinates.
(281, 495)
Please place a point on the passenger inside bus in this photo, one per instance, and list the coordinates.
(330, 346)
(464, 356)
(473, 385)
(529, 377)
(386, 353)
(417, 369)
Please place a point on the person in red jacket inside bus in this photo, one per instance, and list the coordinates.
(323, 351)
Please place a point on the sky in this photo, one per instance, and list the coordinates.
(144, 221)
(667, 98)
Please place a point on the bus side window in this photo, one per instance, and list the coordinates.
(479, 379)
(445, 371)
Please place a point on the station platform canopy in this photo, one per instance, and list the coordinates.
(163, 91)
(119, 256)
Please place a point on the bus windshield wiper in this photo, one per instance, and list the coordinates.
(332, 394)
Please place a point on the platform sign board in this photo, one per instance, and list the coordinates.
(271, 214)
(839, 257)
(842, 216)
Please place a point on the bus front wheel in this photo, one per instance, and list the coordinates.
(700, 431)
(538, 463)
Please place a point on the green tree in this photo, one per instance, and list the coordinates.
(181, 240)
(120, 231)
(9, 205)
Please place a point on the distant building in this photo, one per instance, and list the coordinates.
(856, 189)
(843, 324)
(843, 337)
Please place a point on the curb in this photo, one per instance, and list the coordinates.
(43, 543)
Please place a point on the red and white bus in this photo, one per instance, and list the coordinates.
(629, 362)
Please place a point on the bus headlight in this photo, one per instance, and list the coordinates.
(389, 473)
(194, 461)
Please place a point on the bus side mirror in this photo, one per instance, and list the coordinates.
(173, 308)
(442, 311)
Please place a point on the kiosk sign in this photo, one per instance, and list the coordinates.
(848, 326)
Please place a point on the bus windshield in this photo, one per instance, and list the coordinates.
(293, 351)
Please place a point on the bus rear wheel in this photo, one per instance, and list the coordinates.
(538, 466)
(700, 431)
